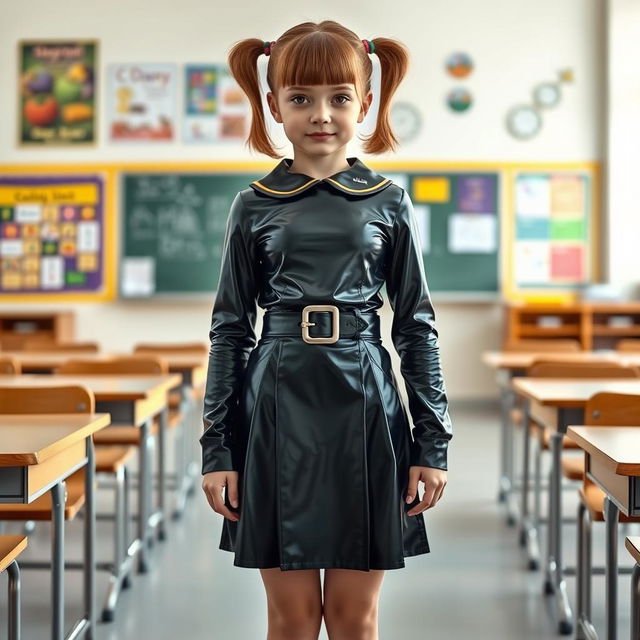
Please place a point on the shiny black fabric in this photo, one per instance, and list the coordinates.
(318, 432)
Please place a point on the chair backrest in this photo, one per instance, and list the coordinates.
(9, 366)
(541, 368)
(628, 344)
(118, 364)
(613, 409)
(198, 348)
(542, 345)
(47, 345)
(60, 398)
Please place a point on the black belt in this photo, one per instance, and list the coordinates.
(326, 324)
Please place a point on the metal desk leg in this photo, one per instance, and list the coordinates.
(525, 525)
(611, 567)
(13, 618)
(90, 540)
(143, 491)
(504, 483)
(554, 578)
(57, 560)
(162, 440)
(635, 603)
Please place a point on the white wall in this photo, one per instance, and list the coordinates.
(515, 45)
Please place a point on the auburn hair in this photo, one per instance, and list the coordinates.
(319, 53)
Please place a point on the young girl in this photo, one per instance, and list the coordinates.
(306, 429)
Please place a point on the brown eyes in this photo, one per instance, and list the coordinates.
(293, 99)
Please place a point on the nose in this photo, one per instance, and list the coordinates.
(321, 113)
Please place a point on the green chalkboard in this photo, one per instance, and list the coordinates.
(173, 227)
(458, 214)
(172, 230)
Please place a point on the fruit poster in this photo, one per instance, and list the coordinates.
(216, 109)
(141, 102)
(57, 92)
(51, 234)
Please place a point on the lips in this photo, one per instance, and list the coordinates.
(320, 135)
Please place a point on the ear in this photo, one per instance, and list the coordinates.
(364, 107)
(273, 106)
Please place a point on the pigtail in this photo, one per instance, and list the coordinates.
(394, 63)
(243, 64)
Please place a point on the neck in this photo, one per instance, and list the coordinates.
(318, 167)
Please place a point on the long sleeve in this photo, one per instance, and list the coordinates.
(232, 336)
(415, 339)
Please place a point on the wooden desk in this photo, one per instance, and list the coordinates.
(633, 546)
(511, 364)
(37, 453)
(556, 403)
(132, 400)
(613, 463)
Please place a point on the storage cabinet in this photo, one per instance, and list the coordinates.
(18, 326)
(596, 325)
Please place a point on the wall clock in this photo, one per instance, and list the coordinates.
(405, 121)
(523, 121)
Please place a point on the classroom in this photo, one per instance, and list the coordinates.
(320, 321)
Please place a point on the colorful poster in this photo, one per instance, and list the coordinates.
(476, 194)
(216, 109)
(551, 230)
(57, 92)
(51, 234)
(141, 102)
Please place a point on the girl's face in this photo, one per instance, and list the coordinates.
(305, 110)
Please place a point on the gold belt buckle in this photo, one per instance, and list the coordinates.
(335, 327)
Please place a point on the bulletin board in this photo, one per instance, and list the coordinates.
(552, 232)
(54, 236)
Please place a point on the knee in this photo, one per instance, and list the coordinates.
(355, 621)
(301, 622)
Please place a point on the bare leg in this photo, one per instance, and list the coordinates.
(294, 603)
(351, 603)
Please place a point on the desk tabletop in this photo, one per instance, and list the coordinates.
(46, 360)
(523, 359)
(113, 387)
(571, 392)
(28, 439)
(618, 447)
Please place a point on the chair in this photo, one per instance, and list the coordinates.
(182, 407)
(602, 409)
(10, 548)
(40, 344)
(543, 344)
(633, 546)
(9, 366)
(76, 399)
(126, 435)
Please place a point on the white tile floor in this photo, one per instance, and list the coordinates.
(472, 585)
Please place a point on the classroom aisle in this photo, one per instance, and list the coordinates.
(472, 585)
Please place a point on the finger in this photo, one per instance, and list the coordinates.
(219, 506)
(427, 497)
(232, 490)
(437, 495)
(412, 485)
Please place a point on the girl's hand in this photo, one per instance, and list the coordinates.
(212, 485)
(434, 480)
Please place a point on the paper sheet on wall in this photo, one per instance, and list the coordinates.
(138, 276)
(423, 218)
(472, 233)
(533, 196)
